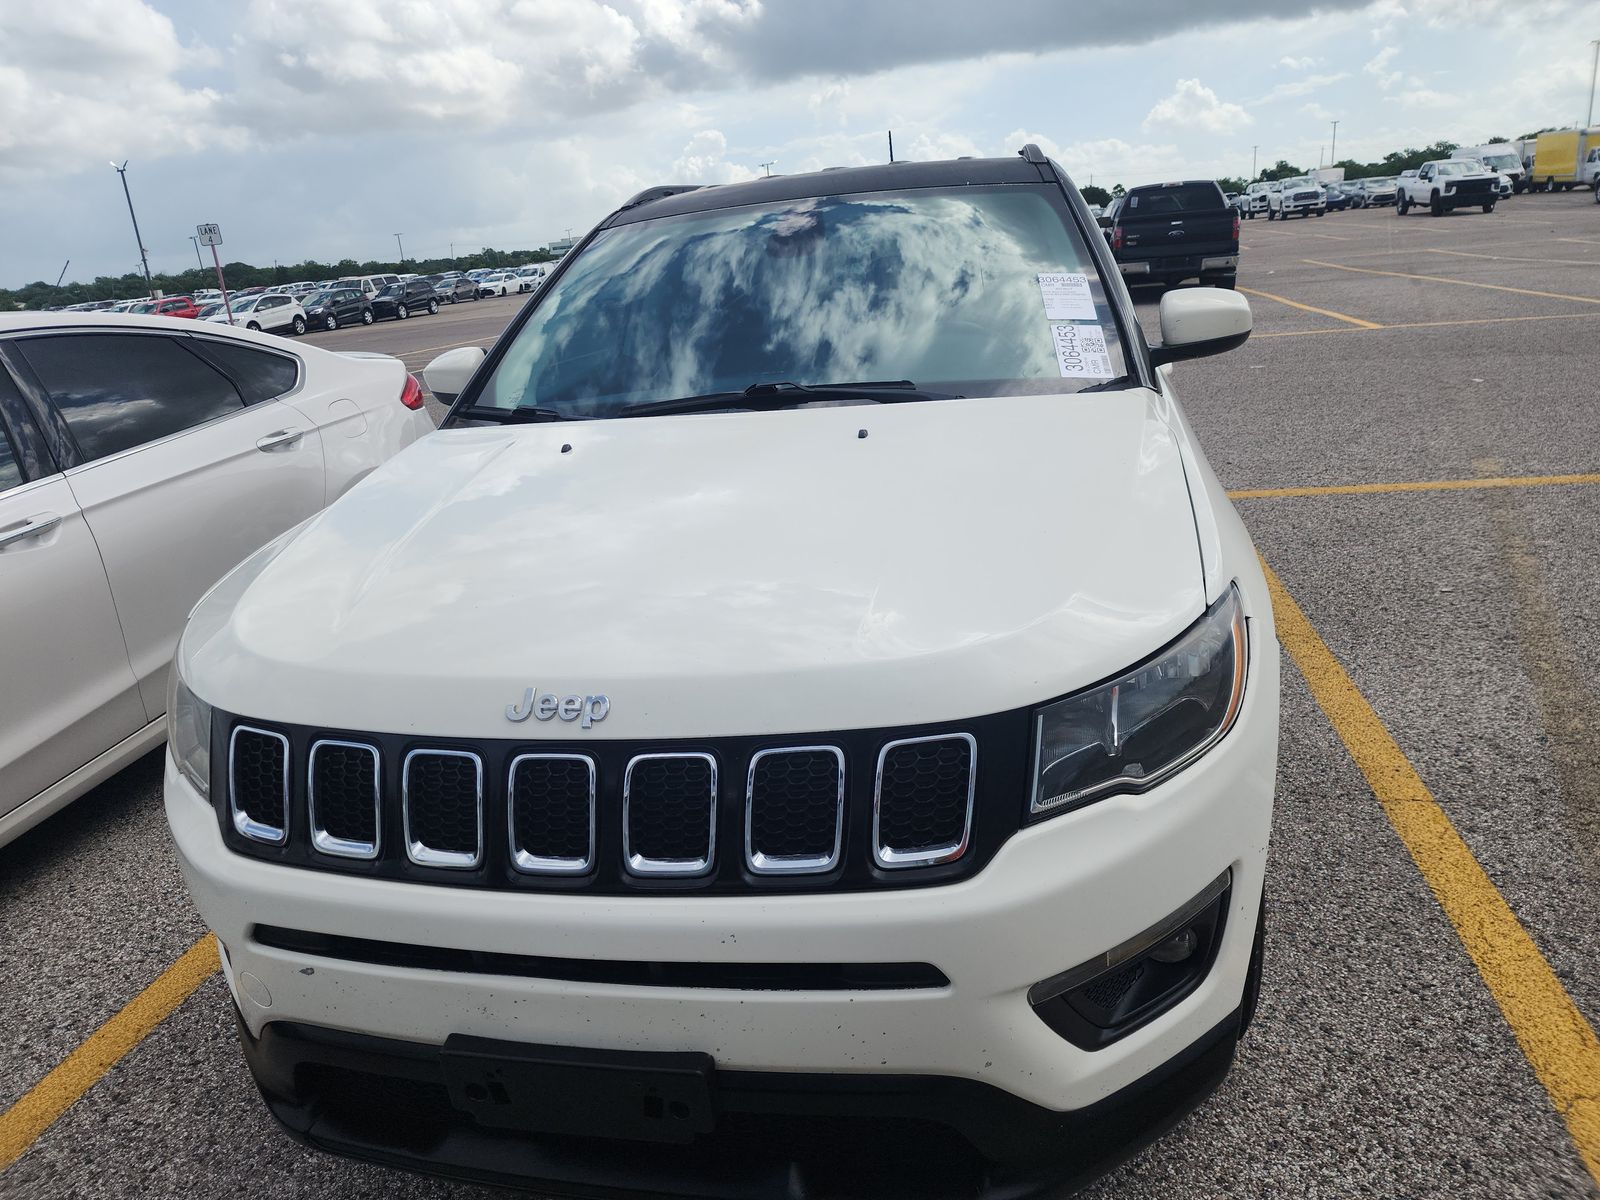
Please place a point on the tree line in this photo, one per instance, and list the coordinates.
(39, 294)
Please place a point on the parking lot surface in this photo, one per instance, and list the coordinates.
(1410, 437)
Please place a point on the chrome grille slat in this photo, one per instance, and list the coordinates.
(526, 855)
(418, 809)
(350, 792)
(815, 802)
(265, 790)
(647, 801)
(923, 778)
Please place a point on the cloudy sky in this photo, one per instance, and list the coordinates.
(322, 129)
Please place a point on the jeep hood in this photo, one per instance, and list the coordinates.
(723, 574)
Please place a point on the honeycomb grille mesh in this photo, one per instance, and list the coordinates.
(442, 802)
(258, 765)
(922, 802)
(794, 804)
(669, 808)
(550, 808)
(344, 780)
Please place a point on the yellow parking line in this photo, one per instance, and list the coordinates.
(1321, 312)
(1556, 1040)
(1585, 241)
(24, 1121)
(1577, 316)
(1424, 485)
(1493, 287)
(1559, 262)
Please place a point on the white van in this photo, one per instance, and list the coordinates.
(368, 285)
(1500, 157)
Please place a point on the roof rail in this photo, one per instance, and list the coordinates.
(1033, 154)
(661, 193)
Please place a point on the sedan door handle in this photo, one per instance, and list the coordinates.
(281, 440)
(31, 528)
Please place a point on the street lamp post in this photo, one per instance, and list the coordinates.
(197, 257)
(402, 246)
(144, 259)
(1253, 150)
(1333, 157)
(1594, 67)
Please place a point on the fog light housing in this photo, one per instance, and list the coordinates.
(1108, 997)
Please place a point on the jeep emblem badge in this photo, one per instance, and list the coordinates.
(544, 706)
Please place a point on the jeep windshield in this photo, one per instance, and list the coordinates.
(969, 291)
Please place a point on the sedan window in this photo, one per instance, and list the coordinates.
(119, 390)
(260, 374)
(10, 468)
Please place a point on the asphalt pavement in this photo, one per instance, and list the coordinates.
(1407, 418)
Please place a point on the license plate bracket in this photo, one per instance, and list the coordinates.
(638, 1095)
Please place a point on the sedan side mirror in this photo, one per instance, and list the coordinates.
(1197, 322)
(1105, 221)
(447, 375)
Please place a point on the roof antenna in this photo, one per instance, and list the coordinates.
(891, 145)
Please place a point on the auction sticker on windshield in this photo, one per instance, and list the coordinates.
(1081, 351)
(1066, 296)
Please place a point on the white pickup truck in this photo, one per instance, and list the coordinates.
(1444, 184)
(1302, 195)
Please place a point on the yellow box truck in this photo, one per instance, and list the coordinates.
(1559, 159)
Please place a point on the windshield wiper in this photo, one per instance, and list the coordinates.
(763, 397)
(522, 414)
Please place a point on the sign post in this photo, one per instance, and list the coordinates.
(211, 235)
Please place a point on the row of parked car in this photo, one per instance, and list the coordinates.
(1439, 185)
(354, 299)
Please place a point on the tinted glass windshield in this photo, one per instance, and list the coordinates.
(393, 289)
(941, 287)
(1184, 197)
(319, 298)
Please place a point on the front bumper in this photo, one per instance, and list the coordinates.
(1055, 895)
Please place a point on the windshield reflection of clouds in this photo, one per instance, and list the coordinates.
(938, 287)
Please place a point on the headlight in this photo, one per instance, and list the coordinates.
(1133, 731)
(189, 733)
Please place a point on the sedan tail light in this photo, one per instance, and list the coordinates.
(411, 397)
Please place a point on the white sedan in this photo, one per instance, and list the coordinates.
(501, 283)
(140, 459)
(270, 312)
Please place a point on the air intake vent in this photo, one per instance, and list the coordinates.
(922, 808)
(794, 810)
(258, 784)
(551, 813)
(443, 802)
(344, 799)
(669, 814)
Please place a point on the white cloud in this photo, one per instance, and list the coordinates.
(1378, 65)
(1300, 87)
(704, 161)
(1192, 105)
(68, 73)
(1297, 64)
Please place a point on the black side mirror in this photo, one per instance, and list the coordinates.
(1105, 221)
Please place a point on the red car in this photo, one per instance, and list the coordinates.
(169, 306)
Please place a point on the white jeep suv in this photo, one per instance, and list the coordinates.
(806, 724)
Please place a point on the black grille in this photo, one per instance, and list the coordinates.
(344, 790)
(442, 805)
(552, 812)
(670, 801)
(257, 768)
(794, 809)
(530, 829)
(924, 793)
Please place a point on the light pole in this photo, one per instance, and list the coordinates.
(1593, 68)
(402, 246)
(197, 257)
(1332, 156)
(768, 165)
(144, 258)
(1253, 150)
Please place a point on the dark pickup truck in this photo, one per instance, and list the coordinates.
(1169, 232)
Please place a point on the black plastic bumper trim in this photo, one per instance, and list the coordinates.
(738, 976)
(777, 1135)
